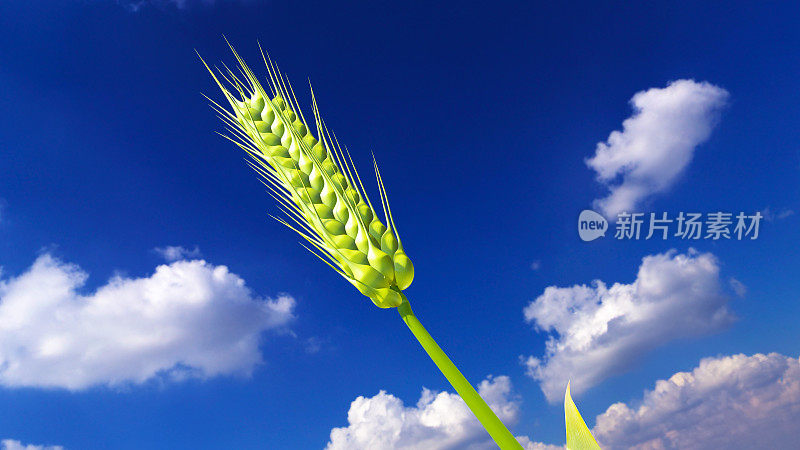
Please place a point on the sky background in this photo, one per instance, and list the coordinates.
(482, 118)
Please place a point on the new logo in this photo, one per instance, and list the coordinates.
(591, 225)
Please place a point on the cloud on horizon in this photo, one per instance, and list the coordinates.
(439, 421)
(187, 319)
(731, 402)
(12, 444)
(656, 143)
(599, 331)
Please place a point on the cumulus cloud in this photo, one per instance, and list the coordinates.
(599, 331)
(656, 143)
(11, 444)
(175, 252)
(527, 444)
(731, 402)
(188, 319)
(439, 421)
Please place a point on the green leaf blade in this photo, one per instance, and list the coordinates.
(578, 435)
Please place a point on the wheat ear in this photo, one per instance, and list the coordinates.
(318, 188)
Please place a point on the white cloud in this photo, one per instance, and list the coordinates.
(731, 402)
(188, 319)
(656, 143)
(439, 421)
(527, 444)
(11, 444)
(175, 252)
(536, 265)
(600, 331)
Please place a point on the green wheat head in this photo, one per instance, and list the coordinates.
(315, 183)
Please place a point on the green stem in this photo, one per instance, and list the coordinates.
(502, 437)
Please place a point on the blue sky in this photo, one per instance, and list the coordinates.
(482, 117)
